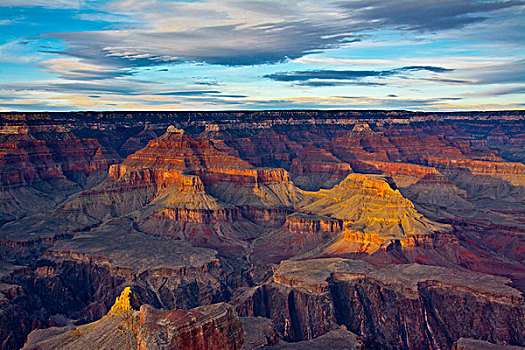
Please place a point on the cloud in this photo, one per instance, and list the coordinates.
(189, 93)
(229, 45)
(336, 83)
(353, 75)
(425, 15)
(207, 83)
(54, 4)
(342, 61)
(236, 33)
(76, 69)
(98, 59)
(499, 91)
(503, 73)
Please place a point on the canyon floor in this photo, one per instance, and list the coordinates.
(262, 230)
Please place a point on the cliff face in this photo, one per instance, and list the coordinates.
(78, 279)
(205, 195)
(207, 327)
(267, 148)
(398, 306)
(48, 163)
(37, 156)
(300, 234)
(124, 327)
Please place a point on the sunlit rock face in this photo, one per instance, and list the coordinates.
(129, 325)
(344, 229)
(369, 203)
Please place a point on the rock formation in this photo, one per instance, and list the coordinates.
(334, 229)
(126, 327)
(41, 166)
(315, 168)
(473, 344)
(397, 306)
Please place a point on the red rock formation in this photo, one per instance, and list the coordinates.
(40, 167)
(189, 221)
(24, 159)
(513, 172)
(315, 168)
(175, 155)
(265, 149)
(308, 224)
(201, 216)
(207, 327)
(176, 150)
(300, 234)
(391, 168)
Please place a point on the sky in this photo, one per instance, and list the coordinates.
(427, 55)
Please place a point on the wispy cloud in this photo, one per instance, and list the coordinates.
(220, 53)
(254, 32)
(499, 91)
(76, 69)
(351, 75)
(425, 15)
(55, 4)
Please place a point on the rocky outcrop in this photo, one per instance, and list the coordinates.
(207, 327)
(296, 313)
(514, 173)
(176, 159)
(338, 339)
(179, 151)
(316, 168)
(310, 224)
(188, 221)
(403, 174)
(473, 344)
(369, 203)
(78, 278)
(397, 306)
(125, 327)
(266, 148)
(300, 234)
(360, 215)
(201, 216)
(25, 159)
(176, 179)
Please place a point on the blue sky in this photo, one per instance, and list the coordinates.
(432, 55)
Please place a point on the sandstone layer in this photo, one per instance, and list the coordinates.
(126, 327)
(382, 229)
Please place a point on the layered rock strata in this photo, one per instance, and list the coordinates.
(316, 168)
(398, 306)
(125, 327)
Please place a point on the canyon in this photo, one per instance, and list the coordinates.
(270, 229)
